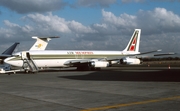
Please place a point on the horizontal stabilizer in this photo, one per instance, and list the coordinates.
(45, 38)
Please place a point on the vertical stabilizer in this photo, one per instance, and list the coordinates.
(133, 45)
(10, 50)
(41, 43)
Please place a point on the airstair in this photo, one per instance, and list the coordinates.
(28, 63)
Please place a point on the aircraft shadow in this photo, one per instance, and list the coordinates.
(172, 75)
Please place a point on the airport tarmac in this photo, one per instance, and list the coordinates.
(111, 89)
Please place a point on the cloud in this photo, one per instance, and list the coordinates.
(95, 3)
(12, 31)
(159, 28)
(42, 25)
(54, 24)
(159, 20)
(129, 1)
(124, 20)
(47, 23)
(41, 6)
(156, 21)
(27, 6)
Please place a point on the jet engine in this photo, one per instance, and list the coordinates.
(99, 64)
(130, 61)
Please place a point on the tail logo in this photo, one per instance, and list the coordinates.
(39, 45)
(132, 46)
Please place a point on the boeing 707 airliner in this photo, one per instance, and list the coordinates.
(82, 59)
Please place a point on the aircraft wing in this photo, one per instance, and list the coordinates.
(139, 55)
(162, 54)
(76, 62)
(156, 54)
(149, 52)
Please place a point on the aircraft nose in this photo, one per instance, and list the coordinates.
(13, 61)
(7, 60)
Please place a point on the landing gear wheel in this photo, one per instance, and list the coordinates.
(26, 71)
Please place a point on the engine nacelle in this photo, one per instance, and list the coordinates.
(115, 62)
(130, 61)
(99, 64)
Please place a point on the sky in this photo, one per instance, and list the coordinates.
(91, 24)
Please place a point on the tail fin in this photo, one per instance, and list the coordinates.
(41, 43)
(133, 44)
(10, 50)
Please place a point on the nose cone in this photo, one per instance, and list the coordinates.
(13, 61)
(8, 60)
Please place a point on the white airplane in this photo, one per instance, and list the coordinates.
(82, 59)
